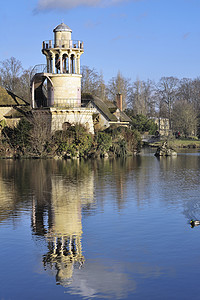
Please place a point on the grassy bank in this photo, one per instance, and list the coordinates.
(179, 143)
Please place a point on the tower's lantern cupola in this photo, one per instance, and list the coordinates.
(62, 35)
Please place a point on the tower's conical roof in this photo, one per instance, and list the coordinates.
(62, 27)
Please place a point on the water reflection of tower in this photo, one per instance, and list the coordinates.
(64, 237)
(62, 225)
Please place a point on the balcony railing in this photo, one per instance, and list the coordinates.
(69, 44)
(67, 102)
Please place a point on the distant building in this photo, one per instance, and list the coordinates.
(163, 126)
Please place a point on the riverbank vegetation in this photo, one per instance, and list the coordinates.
(32, 139)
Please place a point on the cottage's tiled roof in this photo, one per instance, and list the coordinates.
(104, 108)
(107, 108)
(7, 98)
(124, 117)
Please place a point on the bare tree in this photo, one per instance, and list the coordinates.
(195, 98)
(119, 84)
(185, 90)
(167, 92)
(24, 91)
(88, 80)
(136, 99)
(93, 83)
(141, 98)
(150, 98)
(14, 78)
(101, 91)
(184, 118)
(10, 70)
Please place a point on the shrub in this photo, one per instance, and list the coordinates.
(143, 124)
(104, 141)
(125, 140)
(18, 137)
(74, 140)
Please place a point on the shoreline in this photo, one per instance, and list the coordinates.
(178, 144)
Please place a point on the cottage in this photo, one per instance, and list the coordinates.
(12, 108)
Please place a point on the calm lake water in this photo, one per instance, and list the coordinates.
(101, 229)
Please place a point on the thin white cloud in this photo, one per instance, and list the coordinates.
(186, 35)
(69, 4)
(91, 24)
(142, 16)
(110, 279)
(119, 37)
(119, 16)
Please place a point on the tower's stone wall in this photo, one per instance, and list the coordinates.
(59, 119)
(67, 90)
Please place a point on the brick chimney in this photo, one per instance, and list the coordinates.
(119, 101)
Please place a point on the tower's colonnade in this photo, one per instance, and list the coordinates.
(63, 54)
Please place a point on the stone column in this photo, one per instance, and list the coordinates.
(47, 59)
(72, 60)
(61, 63)
(75, 65)
(69, 63)
(78, 65)
(53, 62)
(65, 66)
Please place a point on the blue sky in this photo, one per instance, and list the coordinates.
(144, 39)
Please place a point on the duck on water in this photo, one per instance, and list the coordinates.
(194, 223)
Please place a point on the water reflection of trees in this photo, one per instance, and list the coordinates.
(180, 176)
(11, 195)
(30, 180)
(114, 175)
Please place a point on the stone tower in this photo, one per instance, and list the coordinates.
(56, 86)
(63, 69)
